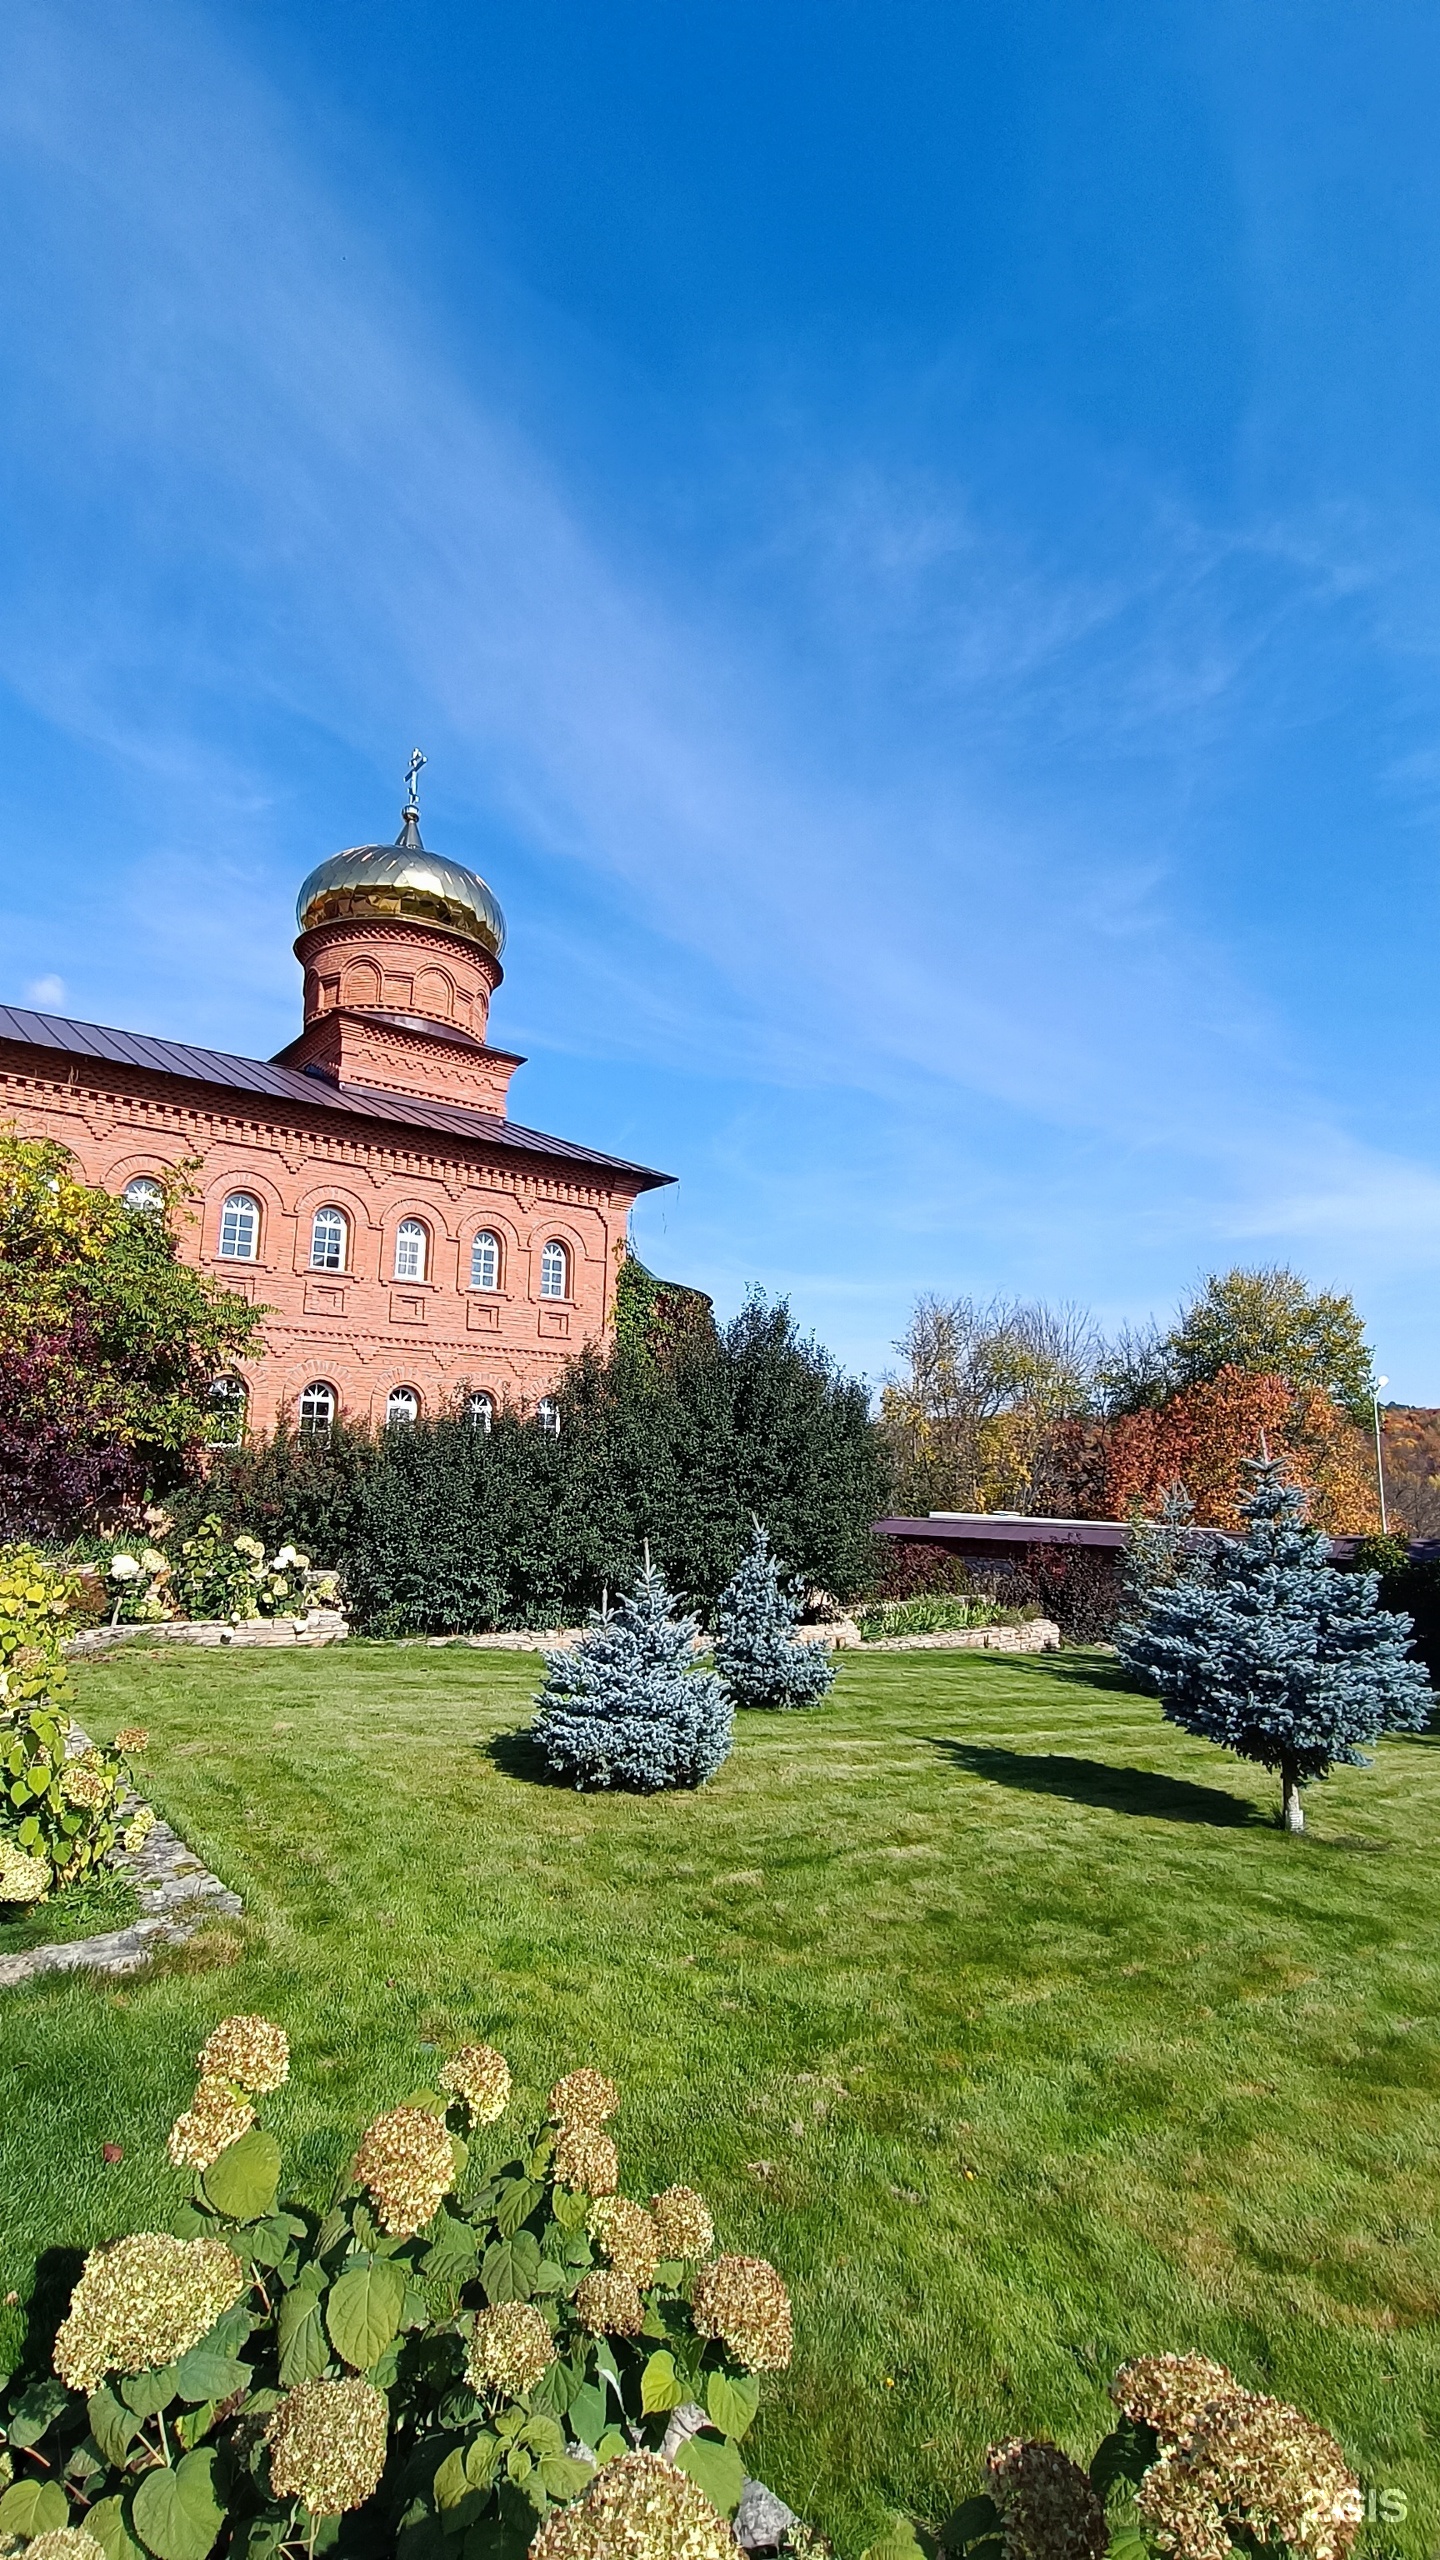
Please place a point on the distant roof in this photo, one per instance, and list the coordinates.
(54, 1032)
(1022, 1529)
(1002, 1529)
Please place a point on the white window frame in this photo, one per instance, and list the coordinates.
(321, 1261)
(243, 1228)
(151, 1189)
(314, 1425)
(412, 1396)
(229, 1401)
(481, 1410)
(412, 1243)
(480, 1257)
(553, 1246)
(547, 1414)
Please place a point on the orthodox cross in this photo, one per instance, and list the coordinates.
(412, 779)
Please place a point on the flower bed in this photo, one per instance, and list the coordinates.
(934, 1614)
(212, 1578)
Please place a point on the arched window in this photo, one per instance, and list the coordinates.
(402, 1405)
(548, 1417)
(329, 1237)
(554, 1271)
(144, 1192)
(239, 1228)
(228, 1400)
(317, 1409)
(410, 1243)
(485, 1261)
(482, 1412)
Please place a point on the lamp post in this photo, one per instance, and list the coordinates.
(1379, 1458)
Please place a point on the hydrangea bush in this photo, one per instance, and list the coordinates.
(223, 1577)
(140, 1583)
(1196, 2468)
(479, 2359)
(61, 1811)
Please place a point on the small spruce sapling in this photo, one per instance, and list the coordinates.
(756, 1651)
(1161, 1549)
(627, 1707)
(1275, 1653)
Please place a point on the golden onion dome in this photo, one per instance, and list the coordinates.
(402, 881)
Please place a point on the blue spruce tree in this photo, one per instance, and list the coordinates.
(756, 1653)
(1161, 1548)
(627, 1706)
(1275, 1653)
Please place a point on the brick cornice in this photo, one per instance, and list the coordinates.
(353, 1142)
(393, 930)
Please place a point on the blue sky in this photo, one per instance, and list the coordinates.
(907, 530)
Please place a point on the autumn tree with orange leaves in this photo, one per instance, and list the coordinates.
(1201, 1437)
(1023, 1407)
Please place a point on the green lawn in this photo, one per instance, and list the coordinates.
(998, 2015)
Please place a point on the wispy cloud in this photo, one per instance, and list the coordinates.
(836, 790)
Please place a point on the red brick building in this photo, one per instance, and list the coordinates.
(417, 1245)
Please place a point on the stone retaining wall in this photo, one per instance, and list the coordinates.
(318, 1626)
(515, 1640)
(1038, 1635)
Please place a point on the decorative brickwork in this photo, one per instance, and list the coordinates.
(394, 1118)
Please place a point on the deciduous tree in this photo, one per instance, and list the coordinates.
(1199, 1438)
(1271, 1323)
(983, 1390)
(109, 1343)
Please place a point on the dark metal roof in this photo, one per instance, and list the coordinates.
(51, 1031)
(1004, 1529)
(981, 1529)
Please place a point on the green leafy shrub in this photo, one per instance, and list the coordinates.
(429, 2350)
(220, 1576)
(139, 1577)
(35, 1601)
(1410, 1584)
(61, 1808)
(935, 1616)
(678, 1437)
(215, 1576)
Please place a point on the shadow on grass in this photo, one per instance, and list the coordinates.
(1084, 1670)
(57, 2272)
(1095, 1782)
(519, 1757)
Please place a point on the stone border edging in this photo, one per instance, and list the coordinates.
(516, 1640)
(318, 1626)
(176, 1893)
(1038, 1635)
